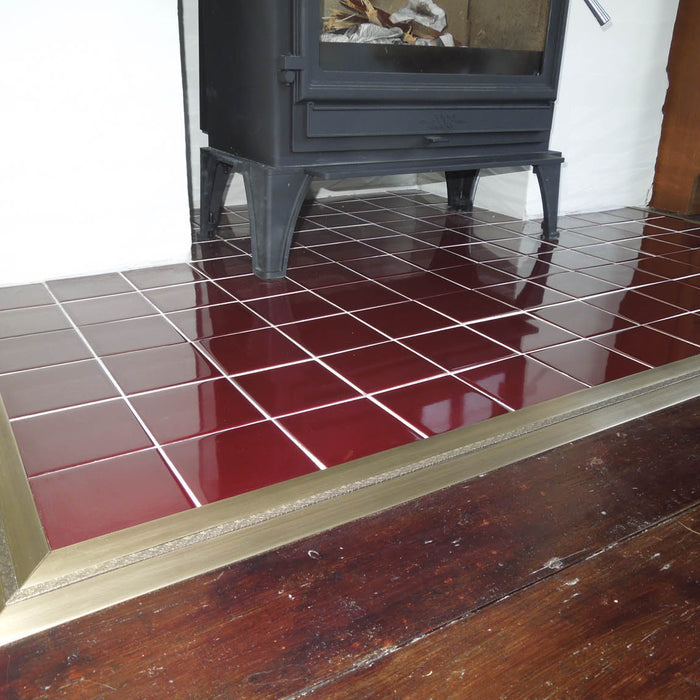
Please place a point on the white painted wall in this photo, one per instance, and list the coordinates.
(92, 165)
(608, 117)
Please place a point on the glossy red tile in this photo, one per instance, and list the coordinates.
(194, 409)
(380, 266)
(253, 350)
(520, 381)
(523, 332)
(634, 306)
(248, 287)
(21, 296)
(382, 216)
(366, 232)
(334, 220)
(588, 362)
(583, 319)
(359, 295)
(612, 233)
(332, 334)
(157, 368)
(210, 321)
(304, 257)
(404, 319)
(162, 276)
(576, 285)
(421, 285)
(438, 405)
(348, 431)
(133, 334)
(685, 296)
(115, 307)
(432, 258)
(620, 276)
(440, 238)
(58, 386)
(288, 308)
(350, 250)
(226, 464)
(187, 296)
(208, 250)
(295, 388)
(95, 499)
(613, 253)
(37, 319)
(475, 276)
(319, 237)
(75, 436)
(41, 350)
(401, 244)
(483, 252)
(686, 327)
(649, 345)
(92, 286)
(525, 295)
(225, 267)
(382, 366)
(468, 305)
(457, 348)
(530, 246)
(662, 267)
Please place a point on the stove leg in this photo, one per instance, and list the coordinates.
(548, 176)
(275, 196)
(461, 188)
(214, 179)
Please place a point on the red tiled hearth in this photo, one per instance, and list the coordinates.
(141, 394)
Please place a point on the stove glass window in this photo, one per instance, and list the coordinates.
(504, 37)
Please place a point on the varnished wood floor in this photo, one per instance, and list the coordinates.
(571, 575)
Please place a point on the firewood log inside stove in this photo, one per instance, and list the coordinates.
(348, 25)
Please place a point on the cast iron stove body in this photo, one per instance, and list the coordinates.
(282, 106)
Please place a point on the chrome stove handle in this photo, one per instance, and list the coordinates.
(598, 12)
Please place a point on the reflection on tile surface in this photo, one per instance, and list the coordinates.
(243, 459)
(33, 320)
(58, 386)
(348, 431)
(211, 321)
(247, 352)
(441, 404)
(457, 348)
(588, 362)
(648, 345)
(78, 435)
(382, 366)
(157, 368)
(398, 320)
(295, 388)
(195, 409)
(101, 497)
(520, 381)
(41, 350)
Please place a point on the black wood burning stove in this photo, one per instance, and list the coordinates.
(293, 90)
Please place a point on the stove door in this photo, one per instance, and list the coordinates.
(420, 50)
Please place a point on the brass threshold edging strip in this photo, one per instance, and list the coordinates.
(53, 587)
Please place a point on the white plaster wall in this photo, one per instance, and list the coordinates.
(93, 169)
(607, 120)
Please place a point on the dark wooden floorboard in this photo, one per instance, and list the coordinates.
(622, 624)
(314, 612)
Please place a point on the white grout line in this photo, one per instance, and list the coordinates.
(228, 376)
(176, 474)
